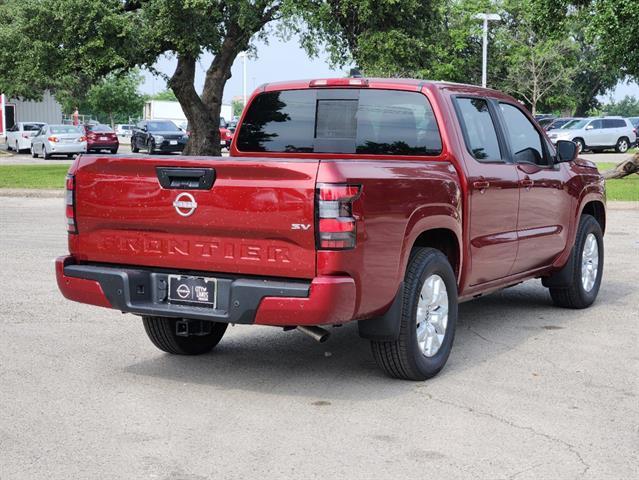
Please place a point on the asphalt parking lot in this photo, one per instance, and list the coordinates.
(530, 391)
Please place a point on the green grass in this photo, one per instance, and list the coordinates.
(52, 177)
(626, 188)
(33, 176)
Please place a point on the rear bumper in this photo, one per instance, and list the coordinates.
(67, 148)
(102, 145)
(277, 302)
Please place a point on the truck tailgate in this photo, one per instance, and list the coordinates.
(256, 219)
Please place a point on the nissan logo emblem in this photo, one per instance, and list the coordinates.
(185, 204)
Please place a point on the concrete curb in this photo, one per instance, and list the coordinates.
(31, 193)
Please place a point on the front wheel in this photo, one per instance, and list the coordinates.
(584, 268)
(428, 319)
(162, 331)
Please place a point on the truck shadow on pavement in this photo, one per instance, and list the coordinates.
(267, 360)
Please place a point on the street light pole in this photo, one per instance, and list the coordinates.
(486, 17)
(243, 56)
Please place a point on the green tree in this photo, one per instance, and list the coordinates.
(116, 97)
(238, 106)
(626, 107)
(615, 26)
(166, 95)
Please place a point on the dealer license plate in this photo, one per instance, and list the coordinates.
(193, 291)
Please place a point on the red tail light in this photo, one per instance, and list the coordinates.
(337, 229)
(82, 139)
(70, 204)
(53, 139)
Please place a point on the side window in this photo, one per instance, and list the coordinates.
(525, 140)
(609, 124)
(479, 129)
(595, 125)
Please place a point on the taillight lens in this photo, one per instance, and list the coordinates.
(53, 139)
(82, 139)
(70, 204)
(337, 228)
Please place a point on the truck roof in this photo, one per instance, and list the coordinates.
(413, 84)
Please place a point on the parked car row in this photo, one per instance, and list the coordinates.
(47, 140)
(165, 136)
(596, 134)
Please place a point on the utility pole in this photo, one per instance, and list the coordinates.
(486, 17)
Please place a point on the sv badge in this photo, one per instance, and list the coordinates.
(300, 226)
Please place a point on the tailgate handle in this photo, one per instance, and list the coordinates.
(186, 178)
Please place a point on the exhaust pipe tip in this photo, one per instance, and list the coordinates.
(318, 334)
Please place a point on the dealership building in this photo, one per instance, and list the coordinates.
(13, 110)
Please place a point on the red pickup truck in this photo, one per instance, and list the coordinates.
(381, 201)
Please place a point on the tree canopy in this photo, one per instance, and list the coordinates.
(68, 46)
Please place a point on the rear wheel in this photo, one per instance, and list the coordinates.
(585, 267)
(162, 331)
(114, 151)
(134, 147)
(45, 155)
(427, 323)
(623, 144)
(33, 152)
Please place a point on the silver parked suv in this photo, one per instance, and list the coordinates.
(598, 134)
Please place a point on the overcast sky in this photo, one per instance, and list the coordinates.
(282, 61)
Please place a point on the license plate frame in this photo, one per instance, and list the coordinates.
(173, 142)
(193, 291)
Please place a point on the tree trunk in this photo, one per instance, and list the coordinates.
(204, 123)
(625, 168)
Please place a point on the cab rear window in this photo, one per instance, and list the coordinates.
(360, 121)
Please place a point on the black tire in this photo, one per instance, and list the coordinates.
(581, 145)
(45, 155)
(33, 152)
(403, 358)
(150, 148)
(162, 332)
(69, 156)
(114, 151)
(134, 148)
(573, 294)
(623, 145)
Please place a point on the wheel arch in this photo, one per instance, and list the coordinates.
(597, 209)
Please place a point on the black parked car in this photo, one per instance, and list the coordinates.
(158, 136)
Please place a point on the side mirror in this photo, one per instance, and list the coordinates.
(566, 151)
(590, 127)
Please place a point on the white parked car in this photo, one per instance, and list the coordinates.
(123, 130)
(19, 136)
(58, 140)
(597, 134)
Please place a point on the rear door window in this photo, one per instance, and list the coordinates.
(479, 129)
(367, 122)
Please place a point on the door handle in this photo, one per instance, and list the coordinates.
(526, 183)
(481, 185)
